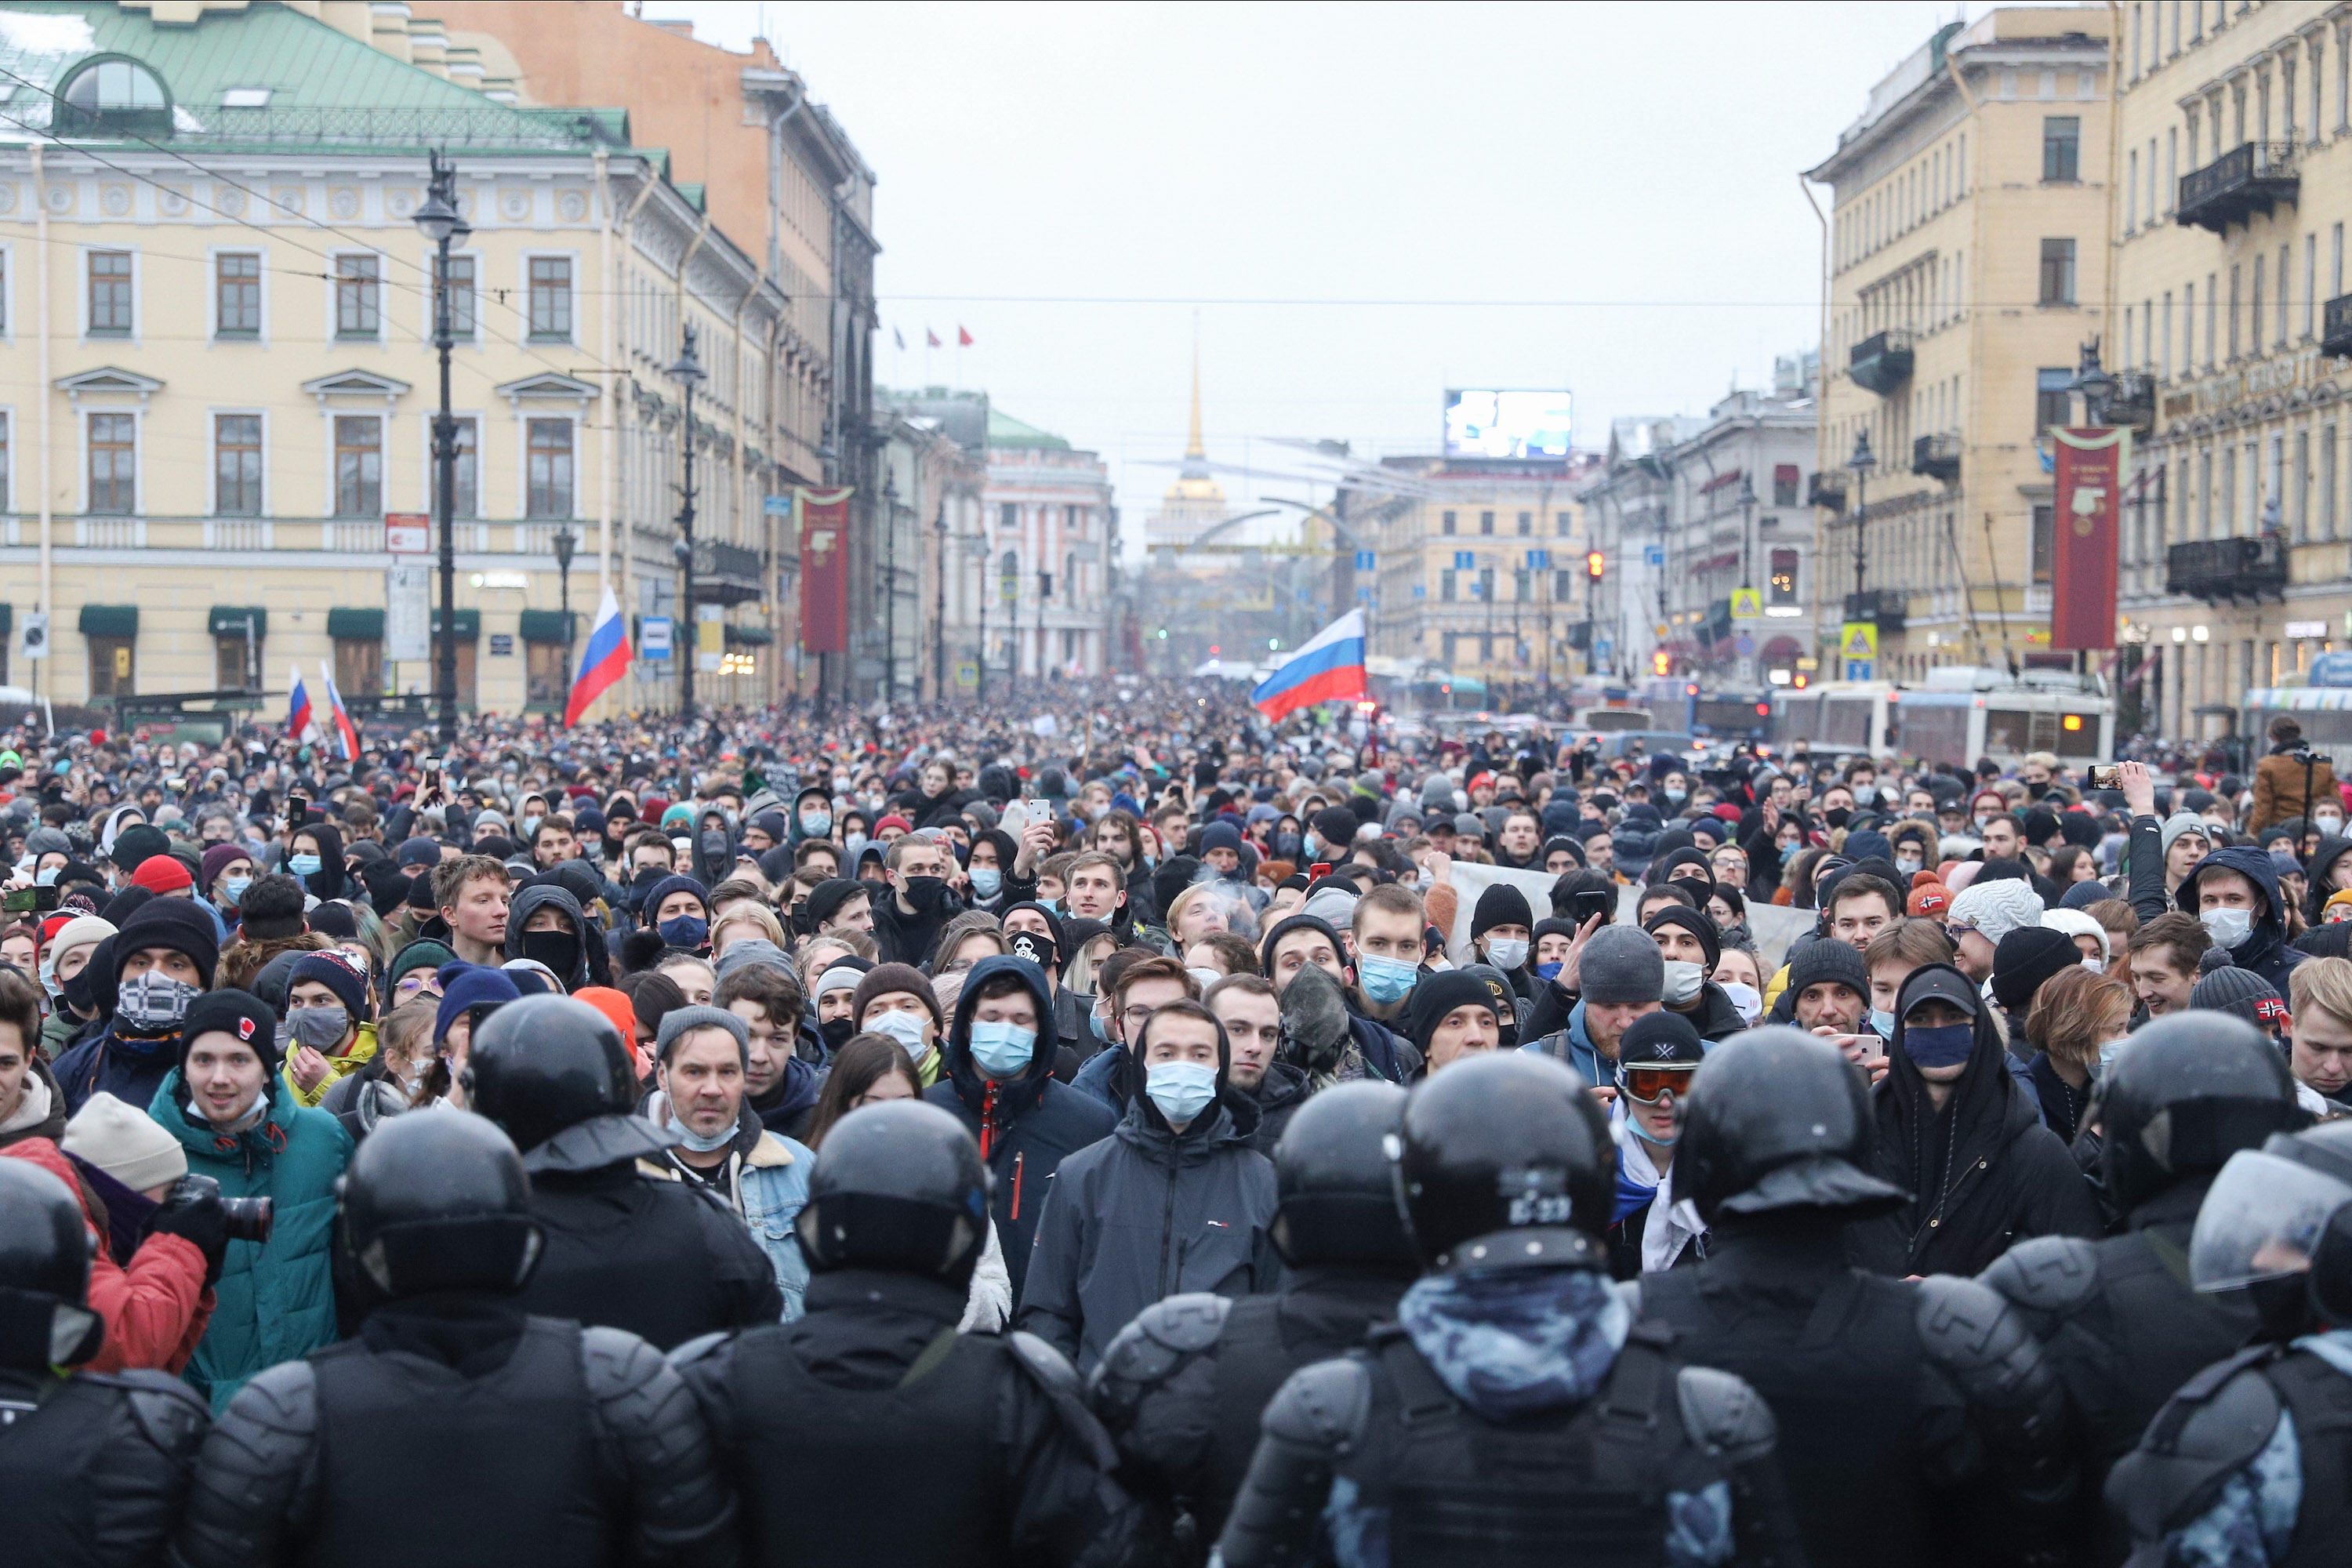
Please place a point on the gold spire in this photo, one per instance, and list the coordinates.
(1193, 448)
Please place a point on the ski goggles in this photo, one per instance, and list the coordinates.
(1646, 1084)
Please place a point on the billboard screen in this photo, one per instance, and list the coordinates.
(1490, 423)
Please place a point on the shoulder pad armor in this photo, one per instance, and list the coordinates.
(702, 1347)
(283, 1398)
(1189, 1323)
(1324, 1405)
(2191, 1449)
(2050, 1274)
(1971, 1332)
(169, 1412)
(616, 1363)
(1051, 1370)
(1150, 1350)
(1724, 1414)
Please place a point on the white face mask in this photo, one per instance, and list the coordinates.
(2095, 965)
(2228, 927)
(1506, 952)
(1683, 979)
(905, 1028)
(2331, 825)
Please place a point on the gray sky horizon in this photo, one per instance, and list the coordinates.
(1359, 208)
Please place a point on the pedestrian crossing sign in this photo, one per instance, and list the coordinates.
(1748, 604)
(1858, 639)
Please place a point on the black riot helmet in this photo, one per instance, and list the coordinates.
(1335, 1197)
(1505, 1160)
(1777, 1118)
(2186, 1093)
(440, 1203)
(898, 1185)
(553, 1073)
(44, 1273)
(2277, 1224)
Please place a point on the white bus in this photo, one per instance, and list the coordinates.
(1960, 715)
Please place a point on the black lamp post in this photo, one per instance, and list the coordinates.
(688, 373)
(2097, 385)
(440, 222)
(1746, 532)
(939, 612)
(1861, 465)
(889, 585)
(565, 542)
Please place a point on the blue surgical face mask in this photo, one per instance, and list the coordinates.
(1002, 1050)
(684, 931)
(816, 824)
(47, 877)
(987, 881)
(304, 865)
(905, 1028)
(235, 887)
(1385, 980)
(1946, 1046)
(1883, 1022)
(853, 843)
(1180, 1090)
(1550, 971)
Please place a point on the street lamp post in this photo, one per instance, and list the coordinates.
(565, 542)
(440, 222)
(1746, 532)
(939, 611)
(889, 585)
(688, 374)
(1861, 464)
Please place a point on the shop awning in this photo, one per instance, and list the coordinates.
(357, 624)
(537, 626)
(229, 620)
(469, 623)
(110, 620)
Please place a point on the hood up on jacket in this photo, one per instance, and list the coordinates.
(1916, 1138)
(547, 895)
(2257, 866)
(2323, 862)
(1014, 1095)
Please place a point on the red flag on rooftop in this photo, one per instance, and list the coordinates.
(963, 338)
(930, 337)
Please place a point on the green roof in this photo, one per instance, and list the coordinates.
(1003, 430)
(326, 90)
(692, 191)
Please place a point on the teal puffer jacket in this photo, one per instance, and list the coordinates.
(275, 1302)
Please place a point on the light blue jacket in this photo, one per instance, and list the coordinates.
(768, 1184)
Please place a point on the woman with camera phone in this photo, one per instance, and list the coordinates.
(277, 1163)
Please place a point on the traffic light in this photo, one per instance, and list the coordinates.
(1592, 563)
(1661, 663)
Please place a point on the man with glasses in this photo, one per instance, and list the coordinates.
(1652, 1228)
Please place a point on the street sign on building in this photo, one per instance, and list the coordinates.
(968, 675)
(1748, 604)
(1463, 561)
(653, 637)
(408, 613)
(1538, 559)
(1858, 649)
(408, 533)
(1363, 560)
(1653, 555)
(501, 644)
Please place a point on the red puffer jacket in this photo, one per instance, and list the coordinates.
(155, 1309)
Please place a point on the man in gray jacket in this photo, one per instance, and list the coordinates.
(1174, 1200)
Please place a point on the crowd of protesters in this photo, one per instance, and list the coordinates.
(1127, 949)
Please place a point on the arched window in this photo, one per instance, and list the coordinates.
(1009, 571)
(116, 92)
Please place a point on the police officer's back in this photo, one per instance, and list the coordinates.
(2250, 1464)
(1183, 1386)
(666, 1261)
(1889, 1394)
(514, 1439)
(1515, 1410)
(869, 1431)
(2121, 1324)
(92, 1467)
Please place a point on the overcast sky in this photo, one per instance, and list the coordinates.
(1360, 206)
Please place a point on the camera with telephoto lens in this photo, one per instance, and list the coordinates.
(249, 1218)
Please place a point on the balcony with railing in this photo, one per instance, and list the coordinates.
(1888, 607)
(2252, 177)
(1826, 489)
(726, 573)
(2215, 570)
(2133, 402)
(1882, 362)
(2335, 326)
(1937, 457)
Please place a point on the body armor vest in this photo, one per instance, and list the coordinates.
(51, 1459)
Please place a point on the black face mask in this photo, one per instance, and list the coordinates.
(714, 844)
(923, 892)
(1836, 816)
(1286, 846)
(78, 994)
(835, 1033)
(558, 950)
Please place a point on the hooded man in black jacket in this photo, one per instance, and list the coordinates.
(1182, 1152)
(1957, 1132)
(997, 1075)
(557, 939)
(2235, 892)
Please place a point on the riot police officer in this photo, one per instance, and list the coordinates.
(2248, 1464)
(1888, 1392)
(870, 1430)
(1183, 1386)
(666, 1261)
(93, 1466)
(1514, 1406)
(543, 1442)
(2121, 1324)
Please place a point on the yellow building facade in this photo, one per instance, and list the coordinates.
(2236, 131)
(217, 377)
(1966, 239)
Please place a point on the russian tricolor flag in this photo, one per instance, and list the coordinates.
(603, 662)
(298, 709)
(347, 733)
(1329, 668)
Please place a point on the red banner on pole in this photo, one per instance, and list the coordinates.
(825, 570)
(2090, 465)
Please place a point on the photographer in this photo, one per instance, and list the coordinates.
(237, 1123)
(2290, 779)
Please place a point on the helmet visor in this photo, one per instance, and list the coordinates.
(2261, 1220)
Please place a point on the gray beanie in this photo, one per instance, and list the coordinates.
(1335, 907)
(682, 1020)
(2181, 822)
(1622, 963)
(47, 841)
(747, 951)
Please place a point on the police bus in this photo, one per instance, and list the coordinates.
(1960, 715)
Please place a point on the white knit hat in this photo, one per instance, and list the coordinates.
(2075, 923)
(129, 1145)
(79, 929)
(1997, 908)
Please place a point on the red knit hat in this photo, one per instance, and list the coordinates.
(1927, 899)
(162, 874)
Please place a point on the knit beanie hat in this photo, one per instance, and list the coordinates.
(844, 973)
(2074, 923)
(1710, 940)
(271, 908)
(1995, 909)
(2181, 822)
(825, 899)
(885, 978)
(129, 1145)
(1622, 963)
(216, 860)
(338, 975)
(425, 954)
(1929, 900)
(1439, 993)
(241, 1015)
(1334, 905)
(1500, 905)
(2230, 989)
(160, 874)
(746, 951)
(2025, 958)
(684, 1020)
(137, 845)
(176, 925)
(1827, 961)
(1660, 1036)
(465, 986)
(1335, 829)
(2082, 895)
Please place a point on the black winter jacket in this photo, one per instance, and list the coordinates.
(666, 1261)
(1279, 1095)
(1150, 1213)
